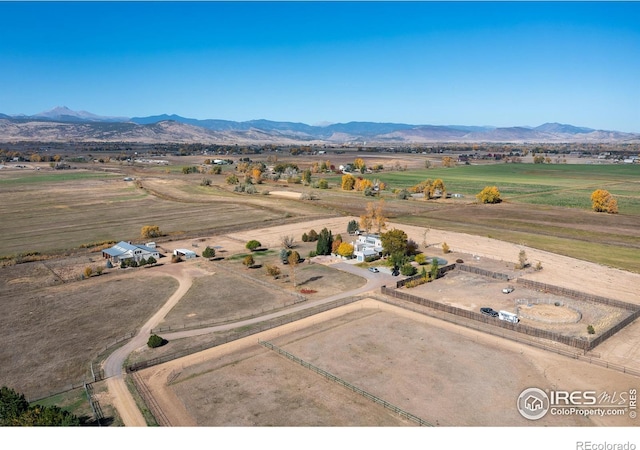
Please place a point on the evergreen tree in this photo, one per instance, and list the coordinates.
(325, 240)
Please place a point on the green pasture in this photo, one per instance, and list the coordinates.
(566, 185)
(545, 206)
(18, 178)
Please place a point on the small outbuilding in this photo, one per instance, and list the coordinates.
(184, 253)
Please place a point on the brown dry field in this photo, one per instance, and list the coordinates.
(50, 334)
(232, 292)
(442, 373)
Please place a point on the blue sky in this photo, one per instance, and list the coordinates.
(470, 63)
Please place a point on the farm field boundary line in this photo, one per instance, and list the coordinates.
(345, 384)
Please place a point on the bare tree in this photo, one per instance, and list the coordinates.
(288, 241)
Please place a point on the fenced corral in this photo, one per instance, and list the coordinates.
(589, 357)
(256, 328)
(635, 309)
(537, 286)
(581, 343)
(483, 272)
(340, 381)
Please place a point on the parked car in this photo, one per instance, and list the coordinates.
(508, 290)
(489, 312)
(373, 269)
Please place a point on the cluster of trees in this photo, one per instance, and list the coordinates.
(373, 218)
(15, 411)
(312, 236)
(322, 167)
(398, 247)
(133, 263)
(541, 159)
(430, 188)
(353, 226)
(359, 184)
(191, 169)
(325, 242)
(338, 247)
(89, 271)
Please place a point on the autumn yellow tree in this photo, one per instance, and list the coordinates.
(256, 175)
(438, 187)
(602, 201)
(336, 244)
(359, 165)
(489, 194)
(362, 184)
(150, 231)
(448, 161)
(374, 218)
(348, 182)
(345, 249)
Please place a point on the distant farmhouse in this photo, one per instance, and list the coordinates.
(126, 250)
(367, 245)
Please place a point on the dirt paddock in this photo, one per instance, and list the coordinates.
(443, 373)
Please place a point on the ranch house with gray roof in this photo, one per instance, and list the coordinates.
(125, 250)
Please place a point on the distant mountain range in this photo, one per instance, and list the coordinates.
(64, 124)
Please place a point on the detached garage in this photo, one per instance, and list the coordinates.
(184, 253)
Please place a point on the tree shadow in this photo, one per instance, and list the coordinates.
(310, 280)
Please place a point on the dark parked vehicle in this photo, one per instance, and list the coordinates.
(489, 312)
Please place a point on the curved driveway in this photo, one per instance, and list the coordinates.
(114, 365)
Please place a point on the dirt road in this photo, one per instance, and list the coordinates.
(113, 365)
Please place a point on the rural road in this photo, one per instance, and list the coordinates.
(113, 367)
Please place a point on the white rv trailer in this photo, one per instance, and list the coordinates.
(507, 316)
